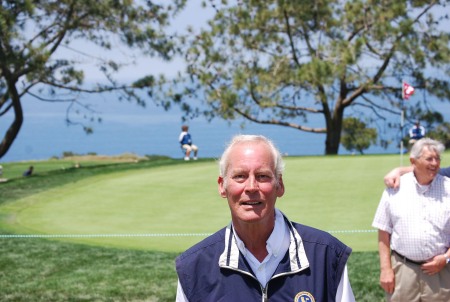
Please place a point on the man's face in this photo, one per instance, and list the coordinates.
(426, 166)
(250, 185)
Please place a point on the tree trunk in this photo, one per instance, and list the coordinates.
(15, 126)
(332, 142)
(334, 129)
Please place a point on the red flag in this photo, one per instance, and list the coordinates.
(407, 91)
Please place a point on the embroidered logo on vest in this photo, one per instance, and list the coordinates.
(304, 297)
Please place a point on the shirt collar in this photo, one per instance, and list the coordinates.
(275, 242)
(424, 188)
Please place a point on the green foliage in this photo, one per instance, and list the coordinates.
(283, 62)
(145, 82)
(441, 133)
(435, 125)
(355, 135)
(41, 55)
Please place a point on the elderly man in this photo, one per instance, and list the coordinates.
(414, 230)
(392, 179)
(261, 255)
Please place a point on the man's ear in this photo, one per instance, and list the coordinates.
(221, 187)
(280, 187)
(412, 161)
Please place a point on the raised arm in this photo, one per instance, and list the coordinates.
(392, 179)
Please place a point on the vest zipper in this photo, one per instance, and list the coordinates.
(264, 292)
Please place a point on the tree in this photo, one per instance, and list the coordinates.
(355, 135)
(435, 126)
(35, 35)
(284, 62)
(441, 133)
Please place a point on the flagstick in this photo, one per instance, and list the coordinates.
(407, 91)
(401, 134)
(401, 122)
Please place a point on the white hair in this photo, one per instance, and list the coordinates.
(239, 139)
(432, 145)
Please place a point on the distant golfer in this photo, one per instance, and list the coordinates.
(416, 132)
(261, 255)
(185, 140)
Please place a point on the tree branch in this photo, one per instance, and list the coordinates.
(280, 123)
(255, 99)
(291, 42)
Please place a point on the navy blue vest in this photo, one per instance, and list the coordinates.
(203, 279)
(186, 140)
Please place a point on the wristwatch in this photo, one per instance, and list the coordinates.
(447, 259)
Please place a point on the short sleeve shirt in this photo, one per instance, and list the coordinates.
(417, 217)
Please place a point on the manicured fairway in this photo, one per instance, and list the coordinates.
(169, 208)
(168, 200)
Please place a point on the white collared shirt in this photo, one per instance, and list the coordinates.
(417, 217)
(277, 246)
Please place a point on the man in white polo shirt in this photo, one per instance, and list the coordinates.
(414, 230)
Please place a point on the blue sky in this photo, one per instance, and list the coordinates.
(193, 15)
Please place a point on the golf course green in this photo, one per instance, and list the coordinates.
(110, 231)
(169, 208)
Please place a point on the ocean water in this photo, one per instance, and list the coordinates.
(143, 131)
(127, 128)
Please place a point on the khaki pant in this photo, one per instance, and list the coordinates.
(413, 285)
(190, 148)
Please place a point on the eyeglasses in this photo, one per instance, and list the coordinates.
(431, 159)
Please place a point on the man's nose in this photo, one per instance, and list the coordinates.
(252, 184)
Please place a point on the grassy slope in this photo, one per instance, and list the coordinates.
(42, 270)
(46, 270)
(328, 193)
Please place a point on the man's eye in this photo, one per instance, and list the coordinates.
(239, 176)
(263, 177)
